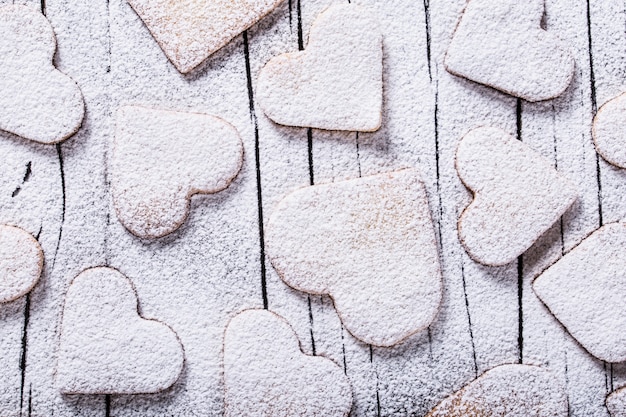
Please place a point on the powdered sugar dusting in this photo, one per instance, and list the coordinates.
(210, 268)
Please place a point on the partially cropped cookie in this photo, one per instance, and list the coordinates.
(500, 43)
(507, 391)
(337, 82)
(586, 289)
(37, 101)
(21, 262)
(190, 31)
(616, 403)
(518, 195)
(609, 131)
(266, 374)
(370, 244)
(161, 159)
(106, 347)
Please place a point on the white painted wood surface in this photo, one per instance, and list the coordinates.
(214, 266)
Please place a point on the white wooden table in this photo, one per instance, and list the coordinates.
(214, 266)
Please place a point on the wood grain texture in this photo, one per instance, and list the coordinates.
(215, 265)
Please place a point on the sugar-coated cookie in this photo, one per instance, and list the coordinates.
(586, 289)
(189, 31)
(507, 391)
(336, 83)
(370, 244)
(616, 403)
(266, 374)
(161, 159)
(37, 101)
(21, 262)
(609, 131)
(518, 195)
(500, 43)
(106, 347)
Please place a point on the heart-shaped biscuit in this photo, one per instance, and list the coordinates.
(189, 31)
(161, 158)
(266, 373)
(21, 262)
(616, 403)
(500, 43)
(370, 244)
(106, 347)
(336, 83)
(518, 195)
(37, 101)
(507, 391)
(609, 131)
(586, 289)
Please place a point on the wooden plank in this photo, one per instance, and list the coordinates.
(79, 192)
(284, 166)
(29, 198)
(561, 129)
(36, 203)
(282, 160)
(486, 297)
(22, 204)
(333, 156)
(405, 90)
(608, 42)
(196, 279)
(323, 148)
(411, 376)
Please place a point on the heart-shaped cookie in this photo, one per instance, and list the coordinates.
(609, 131)
(21, 262)
(266, 373)
(586, 289)
(370, 244)
(161, 158)
(336, 83)
(500, 43)
(616, 403)
(518, 195)
(507, 391)
(37, 101)
(106, 347)
(189, 31)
